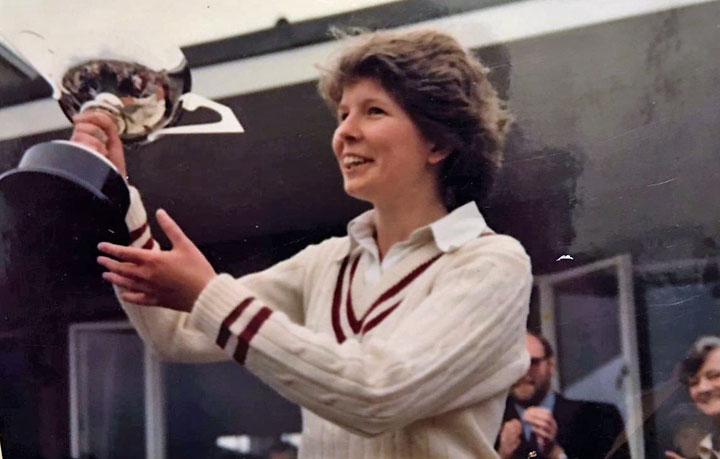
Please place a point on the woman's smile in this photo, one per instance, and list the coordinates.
(352, 161)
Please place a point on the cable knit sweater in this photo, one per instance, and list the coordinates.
(417, 365)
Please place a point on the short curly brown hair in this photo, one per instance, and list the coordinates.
(445, 91)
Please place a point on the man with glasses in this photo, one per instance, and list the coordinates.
(541, 423)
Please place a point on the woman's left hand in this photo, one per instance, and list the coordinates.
(168, 278)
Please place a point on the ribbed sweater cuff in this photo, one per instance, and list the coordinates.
(136, 215)
(227, 313)
(214, 304)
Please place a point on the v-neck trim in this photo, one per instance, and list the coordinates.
(367, 295)
(379, 301)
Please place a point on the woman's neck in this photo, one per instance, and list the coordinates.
(395, 223)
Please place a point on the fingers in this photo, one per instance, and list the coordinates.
(673, 455)
(544, 434)
(537, 414)
(543, 428)
(542, 422)
(510, 433)
(134, 291)
(90, 141)
(100, 125)
(92, 130)
(513, 426)
(170, 228)
(99, 118)
(140, 298)
(129, 270)
(126, 283)
(134, 255)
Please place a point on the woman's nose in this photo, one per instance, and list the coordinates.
(348, 129)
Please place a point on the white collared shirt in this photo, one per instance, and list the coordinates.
(449, 233)
(705, 449)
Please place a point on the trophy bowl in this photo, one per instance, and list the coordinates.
(141, 100)
(65, 195)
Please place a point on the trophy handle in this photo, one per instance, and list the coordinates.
(190, 101)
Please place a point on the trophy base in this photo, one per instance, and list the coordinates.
(56, 206)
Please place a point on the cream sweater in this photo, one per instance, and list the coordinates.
(417, 366)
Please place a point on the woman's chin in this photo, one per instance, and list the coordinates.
(356, 191)
(711, 410)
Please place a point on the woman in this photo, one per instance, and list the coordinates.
(400, 339)
(700, 372)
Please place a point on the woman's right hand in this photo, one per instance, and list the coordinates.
(97, 130)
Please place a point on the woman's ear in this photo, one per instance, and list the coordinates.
(438, 154)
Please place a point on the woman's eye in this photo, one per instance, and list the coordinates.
(376, 111)
(342, 116)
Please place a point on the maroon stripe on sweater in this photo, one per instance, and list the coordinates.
(337, 297)
(366, 327)
(355, 324)
(224, 333)
(379, 318)
(249, 333)
(149, 244)
(135, 234)
(392, 291)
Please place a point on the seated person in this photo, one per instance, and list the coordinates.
(700, 372)
(541, 423)
(687, 428)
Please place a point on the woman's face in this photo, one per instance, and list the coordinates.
(705, 385)
(383, 156)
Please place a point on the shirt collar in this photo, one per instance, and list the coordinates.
(449, 232)
(459, 227)
(705, 448)
(361, 231)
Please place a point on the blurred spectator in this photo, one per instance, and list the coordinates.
(700, 372)
(541, 423)
(688, 428)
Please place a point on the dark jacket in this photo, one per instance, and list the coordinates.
(586, 430)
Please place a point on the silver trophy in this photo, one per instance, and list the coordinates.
(67, 191)
(143, 101)
(144, 86)
(143, 83)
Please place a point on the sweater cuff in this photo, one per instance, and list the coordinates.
(136, 216)
(229, 314)
(137, 224)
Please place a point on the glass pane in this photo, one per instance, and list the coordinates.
(111, 394)
(206, 402)
(590, 361)
(681, 303)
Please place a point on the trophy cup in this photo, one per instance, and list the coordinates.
(63, 197)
